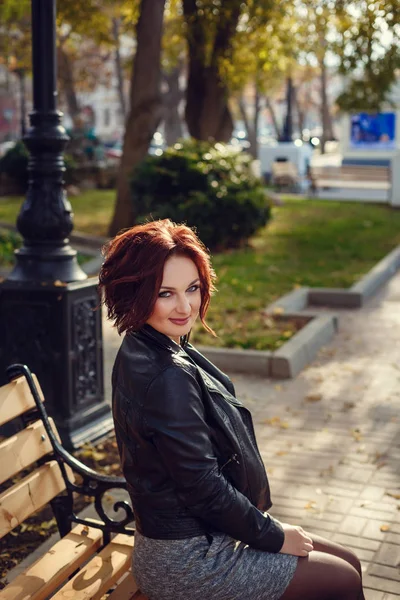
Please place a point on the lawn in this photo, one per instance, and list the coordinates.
(307, 242)
(92, 210)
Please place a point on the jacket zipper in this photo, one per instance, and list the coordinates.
(234, 458)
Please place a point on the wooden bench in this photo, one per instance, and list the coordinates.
(350, 176)
(284, 174)
(91, 560)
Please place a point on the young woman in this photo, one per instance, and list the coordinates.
(197, 482)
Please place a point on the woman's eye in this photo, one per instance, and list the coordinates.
(164, 294)
(194, 288)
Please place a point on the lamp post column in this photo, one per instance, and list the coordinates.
(48, 316)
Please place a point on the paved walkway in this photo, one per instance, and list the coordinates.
(331, 438)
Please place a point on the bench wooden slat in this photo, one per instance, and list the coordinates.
(47, 573)
(23, 449)
(358, 173)
(101, 572)
(29, 495)
(127, 590)
(16, 399)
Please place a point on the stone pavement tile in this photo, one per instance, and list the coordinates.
(388, 554)
(365, 555)
(392, 538)
(373, 493)
(385, 572)
(390, 597)
(356, 541)
(352, 525)
(375, 513)
(381, 584)
(374, 595)
(373, 530)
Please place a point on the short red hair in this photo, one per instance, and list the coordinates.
(132, 273)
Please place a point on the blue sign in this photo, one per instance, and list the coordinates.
(373, 131)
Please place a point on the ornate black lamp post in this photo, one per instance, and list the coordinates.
(47, 305)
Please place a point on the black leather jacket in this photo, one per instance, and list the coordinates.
(187, 445)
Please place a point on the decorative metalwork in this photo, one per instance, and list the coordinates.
(84, 347)
(93, 484)
(17, 345)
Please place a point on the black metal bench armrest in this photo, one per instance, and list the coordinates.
(93, 484)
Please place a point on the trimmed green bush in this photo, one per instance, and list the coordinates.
(9, 241)
(210, 187)
(14, 164)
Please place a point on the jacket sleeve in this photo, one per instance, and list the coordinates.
(175, 419)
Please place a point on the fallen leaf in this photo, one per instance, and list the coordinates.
(313, 397)
(385, 528)
(276, 422)
(395, 495)
(356, 433)
(348, 406)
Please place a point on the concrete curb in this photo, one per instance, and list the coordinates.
(302, 348)
(256, 362)
(284, 363)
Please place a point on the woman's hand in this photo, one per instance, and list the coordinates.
(297, 541)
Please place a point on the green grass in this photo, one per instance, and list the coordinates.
(92, 210)
(308, 242)
(11, 240)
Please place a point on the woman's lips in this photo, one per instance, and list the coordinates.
(180, 321)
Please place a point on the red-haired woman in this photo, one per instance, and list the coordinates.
(197, 482)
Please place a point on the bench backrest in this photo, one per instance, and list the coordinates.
(284, 169)
(352, 172)
(32, 490)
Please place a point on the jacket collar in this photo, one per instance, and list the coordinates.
(159, 338)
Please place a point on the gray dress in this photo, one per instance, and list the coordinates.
(199, 569)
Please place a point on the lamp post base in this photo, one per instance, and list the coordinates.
(55, 329)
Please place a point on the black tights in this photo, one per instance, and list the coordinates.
(330, 572)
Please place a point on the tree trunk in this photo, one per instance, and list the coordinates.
(145, 107)
(275, 124)
(326, 119)
(256, 119)
(67, 83)
(251, 125)
(118, 66)
(207, 112)
(172, 98)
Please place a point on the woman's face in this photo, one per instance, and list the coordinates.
(179, 298)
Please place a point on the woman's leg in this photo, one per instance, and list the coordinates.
(324, 576)
(323, 545)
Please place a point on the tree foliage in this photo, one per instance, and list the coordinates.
(369, 48)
